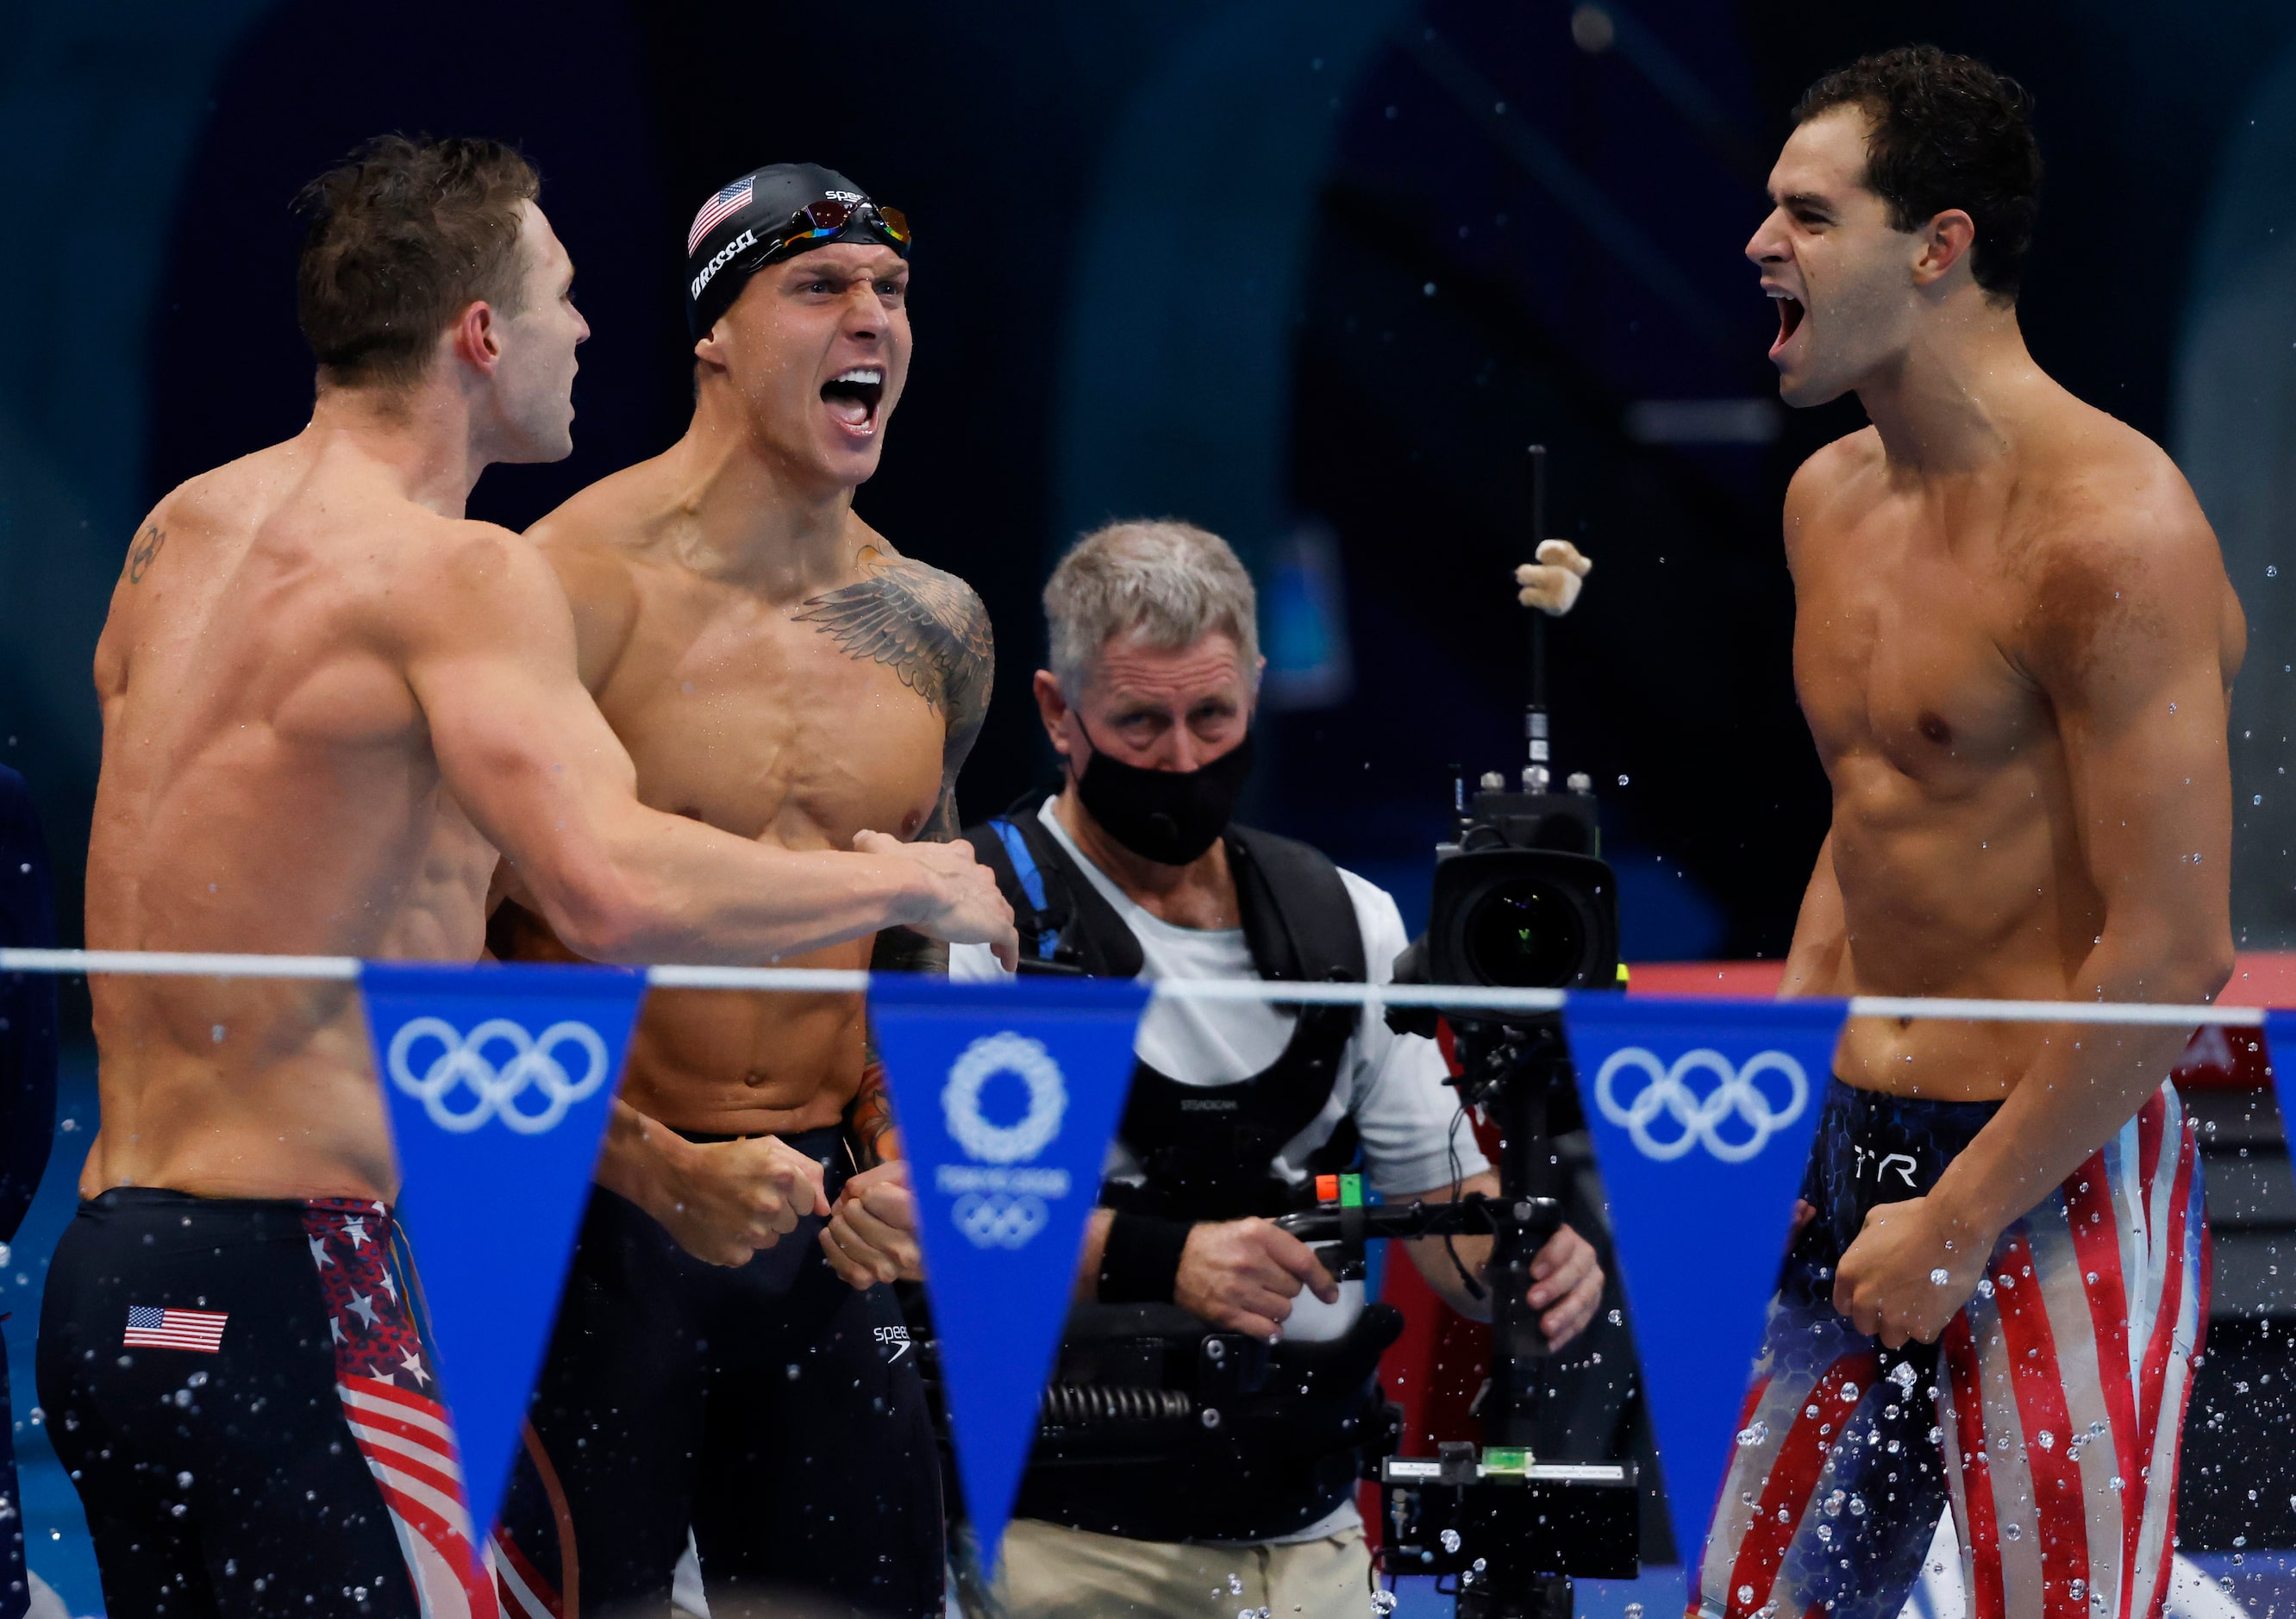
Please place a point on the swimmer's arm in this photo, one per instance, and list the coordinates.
(488, 647)
(2131, 664)
(1819, 963)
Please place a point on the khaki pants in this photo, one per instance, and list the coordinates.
(1052, 1572)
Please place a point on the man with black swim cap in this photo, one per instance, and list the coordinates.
(780, 671)
(768, 215)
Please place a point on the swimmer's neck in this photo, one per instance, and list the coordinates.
(748, 514)
(425, 439)
(1947, 401)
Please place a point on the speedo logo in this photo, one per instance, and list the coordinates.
(845, 196)
(747, 239)
(1207, 1105)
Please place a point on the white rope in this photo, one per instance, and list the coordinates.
(834, 981)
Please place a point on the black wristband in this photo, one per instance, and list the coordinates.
(1141, 1260)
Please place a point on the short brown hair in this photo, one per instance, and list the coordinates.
(403, 236)
(1945, 132)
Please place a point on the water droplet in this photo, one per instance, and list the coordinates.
(1940, 1277)
(1235, 1585)
(1984, 1287)
(1746, 1593)
(1849, 1393)
(2047, 1440)
(1383, 1603)
(1857, 1506)
(1616, 1320)
(1752, 1435)
(1450, 1539)
(2011, 1532)
(2115, 1482)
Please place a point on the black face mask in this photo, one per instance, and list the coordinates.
(1169, 816)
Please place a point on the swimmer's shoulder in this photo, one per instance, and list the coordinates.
(2111, 544)
(1831, 487)
(946, 595)
(596, 543)
(2096, 491)
(904, 607)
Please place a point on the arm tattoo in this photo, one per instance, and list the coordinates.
(141, 555)
(872, 1109)
(930, 629)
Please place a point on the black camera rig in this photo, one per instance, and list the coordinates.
(1523, 900)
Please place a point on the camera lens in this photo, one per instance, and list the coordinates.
(1524, 935)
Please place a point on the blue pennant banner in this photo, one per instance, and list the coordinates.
(499, 1079)
(1006, 1096)
(1702, 1112)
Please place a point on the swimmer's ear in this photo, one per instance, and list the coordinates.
(710, 349)
(475, 338)
(1946, 242)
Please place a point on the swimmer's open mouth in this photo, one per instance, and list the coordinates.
(853, 396)
(1789, 318)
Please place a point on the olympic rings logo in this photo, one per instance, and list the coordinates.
(983, 1141)
(462, 1065)
(1665, 1090)
(999, 1220)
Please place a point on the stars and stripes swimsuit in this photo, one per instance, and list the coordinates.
(243, 1392)
(2048, 1414)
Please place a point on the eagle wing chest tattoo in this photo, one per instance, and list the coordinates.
(926, 626)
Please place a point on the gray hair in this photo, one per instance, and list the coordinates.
(1170, 583)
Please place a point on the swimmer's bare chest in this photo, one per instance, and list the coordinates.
(1954, 842)
(771, 721)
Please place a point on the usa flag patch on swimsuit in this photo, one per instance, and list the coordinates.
(150, 1329)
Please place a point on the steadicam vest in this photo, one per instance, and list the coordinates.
(1264, 1441)
(1206, 1152)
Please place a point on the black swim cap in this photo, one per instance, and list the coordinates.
(762, 217)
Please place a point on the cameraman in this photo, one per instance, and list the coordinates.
(1135, 868)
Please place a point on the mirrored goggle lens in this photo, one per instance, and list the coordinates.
(828, 217)
(825, 217)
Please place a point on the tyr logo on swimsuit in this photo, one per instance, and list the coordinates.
(998, 1205)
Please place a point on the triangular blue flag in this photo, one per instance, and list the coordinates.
(1702, 1112)
(1006, 1096)
(499, 1079)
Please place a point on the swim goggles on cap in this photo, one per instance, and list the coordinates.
(819, 221)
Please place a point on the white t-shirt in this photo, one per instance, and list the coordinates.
(1414, 1137)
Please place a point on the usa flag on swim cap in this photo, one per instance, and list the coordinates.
(720, 208)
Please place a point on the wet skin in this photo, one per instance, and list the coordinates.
(2014, 645)
(328, 702)
(778, 670)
